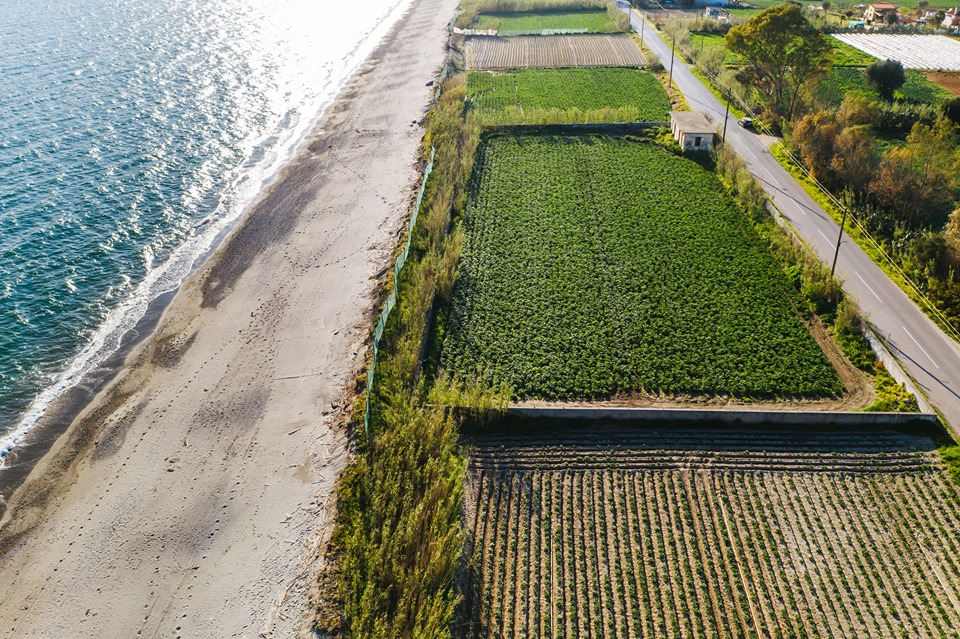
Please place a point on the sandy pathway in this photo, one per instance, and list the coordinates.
(182, 502)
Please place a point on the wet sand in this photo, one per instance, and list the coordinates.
(186, 499)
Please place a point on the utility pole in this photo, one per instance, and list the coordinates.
(726, 116)
(702, 38)
(673, 46)
(643, 23)
(836, 253)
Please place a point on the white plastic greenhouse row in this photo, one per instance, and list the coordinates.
(914, 51)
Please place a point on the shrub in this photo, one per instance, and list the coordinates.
(886, 76)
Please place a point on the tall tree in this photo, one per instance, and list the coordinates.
(855, 159)
(784, 55)
(815, 136)
(886, 76)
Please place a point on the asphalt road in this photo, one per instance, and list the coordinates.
(928, 355)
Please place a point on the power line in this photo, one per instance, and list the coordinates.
(746, 108)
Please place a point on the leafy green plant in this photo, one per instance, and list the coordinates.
(532, 22)
(567, 96)
(594, 266)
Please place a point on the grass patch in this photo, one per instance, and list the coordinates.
(852, 80)
(594, 266)
(744, 14)
(950, 455)
(539, 96)
(592, 21)
(703, 41)
(844, 54)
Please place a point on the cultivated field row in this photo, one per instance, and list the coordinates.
(595, 266)
(720, 449)
(552, 51)
(644, 552)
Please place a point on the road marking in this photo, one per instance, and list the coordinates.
(918, 346)
(870, 289)
(823, 234)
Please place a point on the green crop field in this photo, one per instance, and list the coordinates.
(593, 21)
(845, 55)
(595, 265)
(529, 95)
(844, 80)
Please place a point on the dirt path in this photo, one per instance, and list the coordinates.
(184, 500)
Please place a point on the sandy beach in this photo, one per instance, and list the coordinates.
(187, 498)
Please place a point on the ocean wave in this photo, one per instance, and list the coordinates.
(263, 160)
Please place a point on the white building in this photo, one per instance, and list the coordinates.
(692, 130)
(952, 19)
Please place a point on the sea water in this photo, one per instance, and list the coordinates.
(132, 134)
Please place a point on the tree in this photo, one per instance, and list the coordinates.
(951, 109)
(815, 138)
(952, 235)
(891, 18)
(918, 181)
(826, 5)
(857, 110)
(930, 253)
(784, 56)
(886, 76)
(855, 159)
(712, 60)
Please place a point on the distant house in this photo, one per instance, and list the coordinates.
(879, 11)
(692, 130)
(952, 19)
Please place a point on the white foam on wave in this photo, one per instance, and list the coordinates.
(168, 276)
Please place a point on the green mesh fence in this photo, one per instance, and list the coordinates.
(392, 298)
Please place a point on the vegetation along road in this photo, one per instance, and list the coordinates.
(929, 356)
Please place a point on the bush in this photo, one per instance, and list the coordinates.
(886, 76)
(951, 109)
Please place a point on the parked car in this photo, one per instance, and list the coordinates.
(746, 123)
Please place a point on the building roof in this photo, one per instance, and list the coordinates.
(883, 6)
(691, 122)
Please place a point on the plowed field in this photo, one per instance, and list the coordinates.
(598, 50)
(718, 533)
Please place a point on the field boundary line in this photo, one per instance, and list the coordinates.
(728, 416)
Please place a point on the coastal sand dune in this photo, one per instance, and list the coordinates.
(184, 501)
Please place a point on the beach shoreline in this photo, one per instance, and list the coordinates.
(186, 496)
